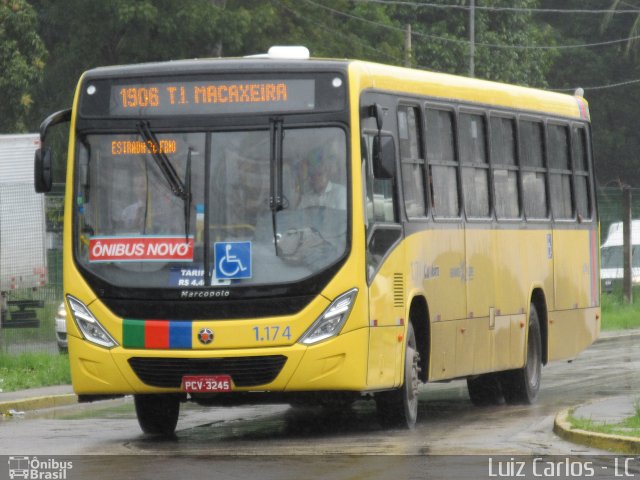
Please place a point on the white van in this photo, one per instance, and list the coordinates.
(611, 266)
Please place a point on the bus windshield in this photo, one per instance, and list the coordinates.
(133, 230)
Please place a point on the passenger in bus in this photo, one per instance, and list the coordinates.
(151, 208)
(133, 216)
(320, 190)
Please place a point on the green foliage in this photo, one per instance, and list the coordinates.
(617, 314)
(442, 41)
(113, 32)
(22, 61)
(629, 427)
(29, 370)
(613, 108)
(82, 35)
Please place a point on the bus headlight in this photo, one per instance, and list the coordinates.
(332, 319)
(89, 325)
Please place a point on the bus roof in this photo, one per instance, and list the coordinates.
(369, 75)
(453, 87)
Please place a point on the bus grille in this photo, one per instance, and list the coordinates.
(245, 371)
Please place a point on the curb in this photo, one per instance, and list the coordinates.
(602, 441)
(12, 407)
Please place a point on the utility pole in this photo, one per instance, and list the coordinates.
(407, 46)
(472, 38)
(627, 248)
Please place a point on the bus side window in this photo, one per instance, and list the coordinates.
(443, 166)
(505, 169)
(475, 167)
(384, 179)
(560, 172)
(581, 172)
(533, 170)
(412, 158)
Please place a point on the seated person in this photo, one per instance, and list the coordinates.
(320, 190)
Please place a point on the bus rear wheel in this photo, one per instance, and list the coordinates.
(522, 386)
(157, 414)
(399, 408)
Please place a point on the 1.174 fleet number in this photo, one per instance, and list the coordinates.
(271, 333)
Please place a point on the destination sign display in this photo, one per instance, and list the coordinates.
(211, 97)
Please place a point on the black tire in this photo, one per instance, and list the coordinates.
(157, 414)
(485, 390)
(399, 408)
(522, 386)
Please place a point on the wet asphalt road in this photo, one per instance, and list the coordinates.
(277, 441)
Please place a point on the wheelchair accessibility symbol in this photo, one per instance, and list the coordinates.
(233, 260)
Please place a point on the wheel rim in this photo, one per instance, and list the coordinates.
(412, 381)
(533, 360)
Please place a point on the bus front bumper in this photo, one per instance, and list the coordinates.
(339, 363)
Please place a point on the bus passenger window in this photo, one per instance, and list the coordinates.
(475, 168)
(534, 190)
(412, 161)
(581, 172)
(559, 172)
(505, 170)
(443, 166)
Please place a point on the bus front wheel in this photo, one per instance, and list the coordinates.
(521, 386)
(399, 408)
(157, 414)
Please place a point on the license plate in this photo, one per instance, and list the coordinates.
(206, 383)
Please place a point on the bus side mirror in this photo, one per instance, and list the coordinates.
(43, 175)
(384, 157)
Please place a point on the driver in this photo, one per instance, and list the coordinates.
(320, 190)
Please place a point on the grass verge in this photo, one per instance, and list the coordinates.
(617, 314)
(30, 370)
(629, 427)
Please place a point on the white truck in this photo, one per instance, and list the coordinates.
(611, 256)
(23, 254)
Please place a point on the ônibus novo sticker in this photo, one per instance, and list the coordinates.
(171, 248)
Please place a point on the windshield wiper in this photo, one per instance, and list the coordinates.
(187, 200)
(276, 202)
(179, 188)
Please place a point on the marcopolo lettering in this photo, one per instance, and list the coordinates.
(204, 293)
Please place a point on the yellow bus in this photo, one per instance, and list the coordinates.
(287, 229)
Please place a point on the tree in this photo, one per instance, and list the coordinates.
(506, 42)
(83, 35)
(608, 76)
(22, 61)
(120, 31)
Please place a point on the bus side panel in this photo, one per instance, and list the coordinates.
(387, 317)
(574, 322)
(571, 331)
(473, 349)
(436, 258)
(440, 268)
(575, 268)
